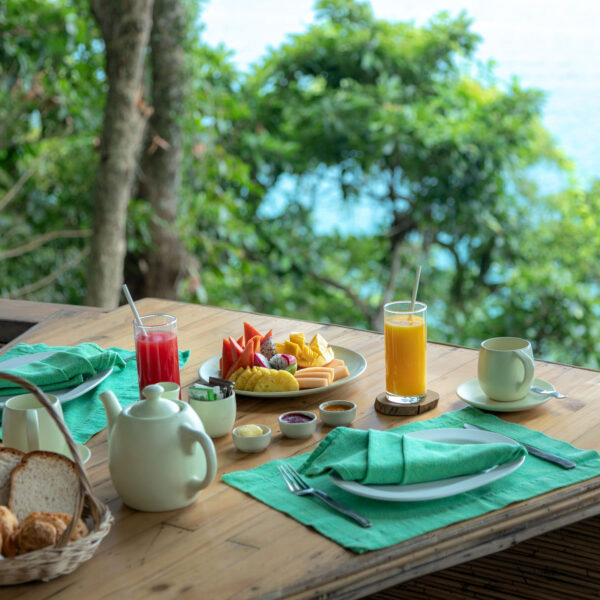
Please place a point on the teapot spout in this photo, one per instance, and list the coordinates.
(112, 408)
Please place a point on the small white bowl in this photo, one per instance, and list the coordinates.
(255, 443)
(298, 430)
(336, 418)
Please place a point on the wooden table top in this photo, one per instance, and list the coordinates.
(229, 545)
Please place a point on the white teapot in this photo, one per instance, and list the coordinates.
(160, 457)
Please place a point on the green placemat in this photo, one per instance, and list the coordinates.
(85, 415)
(394, 522)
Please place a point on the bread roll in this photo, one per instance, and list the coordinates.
(40, 530)
(8, 528)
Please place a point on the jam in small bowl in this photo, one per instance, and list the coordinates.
(337, 412)
(298, 423)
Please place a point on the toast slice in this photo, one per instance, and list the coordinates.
(9, 459)
(43, 482)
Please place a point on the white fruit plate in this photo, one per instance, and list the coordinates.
(355, 362)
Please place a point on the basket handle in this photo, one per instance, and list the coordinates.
(85, 489)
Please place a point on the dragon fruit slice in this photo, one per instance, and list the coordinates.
(267, 348)
(284, 362)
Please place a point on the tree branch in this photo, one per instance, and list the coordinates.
(45, 281)
(16, 188)
(43, 239)
(358, 301)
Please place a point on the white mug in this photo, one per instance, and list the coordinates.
(505, 368)
(27, 425)
(217, 416)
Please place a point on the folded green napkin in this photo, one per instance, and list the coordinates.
(390, 457)
(66, 368)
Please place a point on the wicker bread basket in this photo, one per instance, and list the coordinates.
(53, 561)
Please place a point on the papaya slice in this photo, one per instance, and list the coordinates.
(236, 349)
(250, 332)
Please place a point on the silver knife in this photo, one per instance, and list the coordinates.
(559, 460)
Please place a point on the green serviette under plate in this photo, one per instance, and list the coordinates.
(67, 367)
(85, 415)
(390, 457)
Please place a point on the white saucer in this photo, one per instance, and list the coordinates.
(472, 394)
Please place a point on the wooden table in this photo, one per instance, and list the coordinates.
(228, 545)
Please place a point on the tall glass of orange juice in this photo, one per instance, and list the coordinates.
(405, 332)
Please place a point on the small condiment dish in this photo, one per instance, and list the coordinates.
(254, 443)
(304, 426)
(337, 412)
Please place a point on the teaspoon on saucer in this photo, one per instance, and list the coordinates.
(539, 390)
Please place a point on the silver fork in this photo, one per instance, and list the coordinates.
(298, 486)
(539, 390)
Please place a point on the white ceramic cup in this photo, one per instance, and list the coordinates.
(217, 416)
(505, 368)
(170, 390)
(27, 425)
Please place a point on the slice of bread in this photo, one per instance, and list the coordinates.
(9, 459)
(43, 482)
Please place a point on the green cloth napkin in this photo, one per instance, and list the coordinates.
(66, 368)
(394, 522)
(390, 457)
(85, 415)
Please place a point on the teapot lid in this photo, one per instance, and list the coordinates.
(153, 407)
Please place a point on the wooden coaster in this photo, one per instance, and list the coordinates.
(384, 406)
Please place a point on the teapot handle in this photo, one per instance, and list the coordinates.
(209, 452)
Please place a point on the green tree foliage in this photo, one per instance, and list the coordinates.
(51, 88)
(394, 114)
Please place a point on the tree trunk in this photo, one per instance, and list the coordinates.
(161, 164)
(125, 26)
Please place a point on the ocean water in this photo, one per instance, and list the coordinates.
(552, 45)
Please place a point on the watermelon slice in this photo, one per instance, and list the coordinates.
(241, 341)
(226, 357)
(266, 336)
(245, 359)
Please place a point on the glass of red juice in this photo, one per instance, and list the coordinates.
(156, 350)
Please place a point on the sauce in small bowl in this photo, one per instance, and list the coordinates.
(298, 424)
(337, 412)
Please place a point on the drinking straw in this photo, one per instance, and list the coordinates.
(415, 288)
(134, 309)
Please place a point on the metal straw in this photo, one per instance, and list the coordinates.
(134, 309)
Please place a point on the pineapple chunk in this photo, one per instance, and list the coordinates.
(257, 374)
(240, 382)
(233, 377)
(277, 381)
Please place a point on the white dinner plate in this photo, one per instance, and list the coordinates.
(64, 395)
(441, 488)
(472, 394)
(355, 362)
